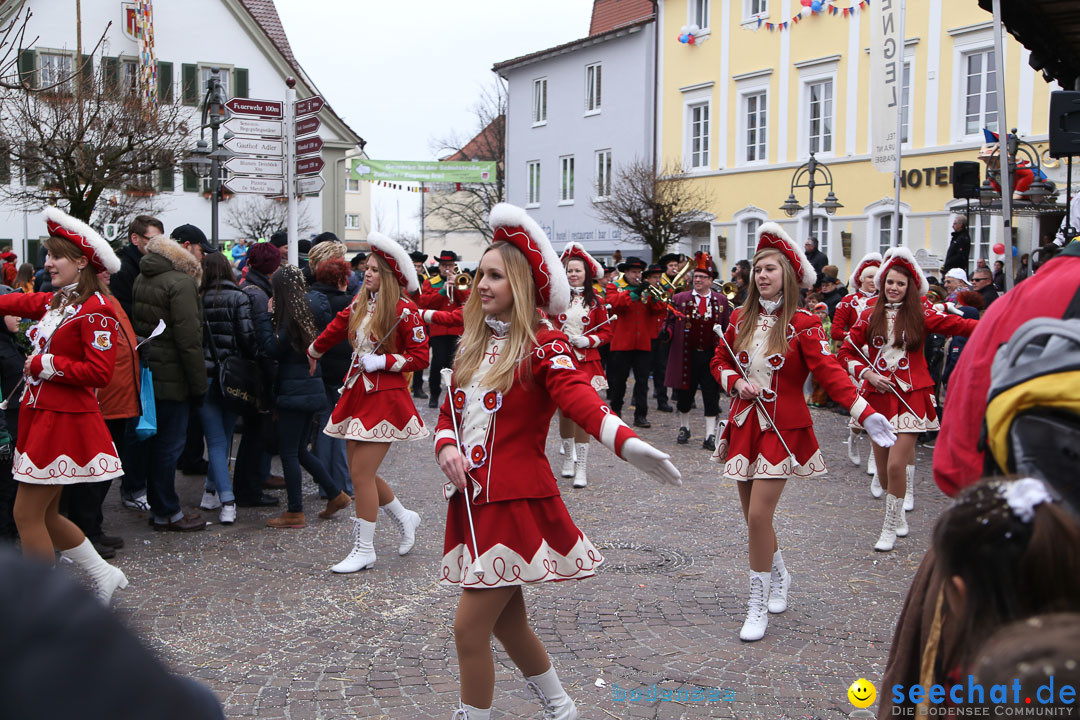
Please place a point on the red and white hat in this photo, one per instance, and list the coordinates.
(84, 237)
(574, 250)
(513, 225)
(870, 260)
(901, 257)
(771, 235)
(398, 260)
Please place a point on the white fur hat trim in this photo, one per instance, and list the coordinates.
(574, 249)
(903, 256)
(869, 260)
(553, 289)
(401, 264)
(771, 235)
(93, 242)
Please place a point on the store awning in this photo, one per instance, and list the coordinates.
(1050, 29)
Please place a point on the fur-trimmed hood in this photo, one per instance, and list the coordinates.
(176, 255)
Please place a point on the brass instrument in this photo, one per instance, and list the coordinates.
(728, 289)
(462, 279)
(675, 284)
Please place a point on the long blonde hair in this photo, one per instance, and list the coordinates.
(777, 341)
(523, 321)
(385, 308)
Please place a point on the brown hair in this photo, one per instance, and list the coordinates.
(142, 223)
(333, 272)
(589, 296)
(1032, 651)
(386, 303)
(971, 298)
(88, 282)
(910, 328)
(777, 342)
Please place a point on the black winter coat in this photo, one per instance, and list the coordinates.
(229, 323)
(959, 251)
(121, 283)
(326, 302)
(294, 387)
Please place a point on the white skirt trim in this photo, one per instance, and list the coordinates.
(504, 567)
(64, 471)
(352, 429)
(740, 467)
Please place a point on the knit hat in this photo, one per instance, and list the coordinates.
(264, 257)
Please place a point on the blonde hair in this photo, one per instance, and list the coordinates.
(385, 314)
(523, 321)
(777, 341)
(325, 251)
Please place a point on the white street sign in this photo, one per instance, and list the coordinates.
(255, 166)
(240, 125)
(255, 185)
(254, 146)
(306, 185)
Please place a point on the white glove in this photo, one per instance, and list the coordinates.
(880, 430)
(648, 459)
(579, 341)
(373, 363)
(948, 307)
(427, 315)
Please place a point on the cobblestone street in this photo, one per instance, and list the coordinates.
(255, 613)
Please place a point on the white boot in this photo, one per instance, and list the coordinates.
(406, 520)
(853, 448)
(780, 581)
(556, 703)
(875, 486)
(871, 464)
(106, 577)
(909, 491)
(568, 462)
(887, 539)
(581, 452)
(362, 555)
(901, 528)
(757, 615)
(468, 712)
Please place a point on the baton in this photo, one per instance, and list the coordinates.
(757, 400)
(871, 366)
(447, 376)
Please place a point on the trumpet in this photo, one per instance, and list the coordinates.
(462, 279)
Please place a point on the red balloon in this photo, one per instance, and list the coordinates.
(807, 3)
(999, 248)
(690, 39)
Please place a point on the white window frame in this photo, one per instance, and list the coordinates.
(352, 221)
(352, 185)
(566, 180)
(225, 74)
(806, 81)
(804, 230)
(754, 10)
(979, 226)
(603, 168)
(129, 74)
(742, 125)
(540, 102)
(968, 40)
(594, 86)
(909, 105)
(744, 219)
(987, 89)
(699, 13)
(65, 59)
(880, 221)
(532, 183)
(689, 154)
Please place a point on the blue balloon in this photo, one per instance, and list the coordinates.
(683, 38)
(1016, 251)
(816, 6)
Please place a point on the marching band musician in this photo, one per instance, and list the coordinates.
(693, 343)
(439, 293)
(418, 258)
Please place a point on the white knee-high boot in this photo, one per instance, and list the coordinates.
(362, 555)
(853, 448)
(887, 539)
(568, 457)
(909, 491)
(757, 611)
(106, 577)
(406, 520)
(581, 452)
(547, 688)
(468, 712)
(780, 581)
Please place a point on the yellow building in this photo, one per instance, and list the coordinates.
(743, 107)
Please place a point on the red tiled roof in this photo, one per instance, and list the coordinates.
(483, 145)
(610, 14)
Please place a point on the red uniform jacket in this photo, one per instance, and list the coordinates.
(433, 298)
(437, 319)
(635, 326)
(847, 312)
(511, 463)
(907, 369)
(808, 351)
(411, 348)
(79, 357)
(597, 315)
(120, 398)
(690, 330)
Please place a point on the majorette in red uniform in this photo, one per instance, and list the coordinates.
(847, 312)
(62, 436)
(523, 533)
(896, 381)
(440, 293)
(636, 315)
(767, 389)
(375, 408)
(586, 326)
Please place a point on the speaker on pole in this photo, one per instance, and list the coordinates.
(1064, 123)
(965, 179)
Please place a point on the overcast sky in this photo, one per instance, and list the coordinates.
(404, 73)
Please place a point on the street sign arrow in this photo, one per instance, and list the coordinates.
(255, 166)
(255, 185)
(308, 106)
(254, 146)
(249, 106)
(306, 126)
(308, 185)
(239, 125)
(309, 166)
(309, 146)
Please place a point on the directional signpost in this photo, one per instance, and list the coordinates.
(308, 125)
(255, 146)
(239, 125)
(259, 108)
(309, 165)
(254, 185)
(308, 185)
(309, 146)
(309, 106)
(255, 166)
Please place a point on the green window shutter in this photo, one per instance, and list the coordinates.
(28, 68)
(5, 163)
(191, 181)
(166, 179)
(189, 79)
(240, 83)
(164, 82)
(110, 73)
(87, 71)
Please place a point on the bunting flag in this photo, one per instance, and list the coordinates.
(144, 24)
(427, 188)
(828, 8)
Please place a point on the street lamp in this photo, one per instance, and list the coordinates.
(204, 161)
(806, 177)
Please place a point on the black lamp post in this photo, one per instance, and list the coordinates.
(206, 161)
(806, 177)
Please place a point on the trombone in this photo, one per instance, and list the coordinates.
(664, 294)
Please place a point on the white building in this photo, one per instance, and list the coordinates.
(575, 113)
(243, 38)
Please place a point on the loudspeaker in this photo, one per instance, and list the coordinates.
(1064, 123)
(965, 180)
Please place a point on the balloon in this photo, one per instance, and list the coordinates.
(816, 6)
(690, 40)
(684, 29)
(1016, 251)
(999, 248)
(695, 30)
(807, 3)
(682, 39)
(807, 11)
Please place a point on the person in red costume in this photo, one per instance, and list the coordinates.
(506, 525)
(375, 409)
(63, 439)
(769, 436)
(895, 378)
(441, 293)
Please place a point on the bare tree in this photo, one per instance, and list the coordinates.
(260, 217)
(467, 209)
(658, 211)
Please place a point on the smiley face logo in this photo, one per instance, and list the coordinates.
(862, 693)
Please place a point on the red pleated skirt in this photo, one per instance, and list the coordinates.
(63, 448)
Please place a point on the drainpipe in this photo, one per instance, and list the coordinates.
(656, 80)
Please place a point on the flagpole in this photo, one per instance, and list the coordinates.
(1005, 157)
(895, 241)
